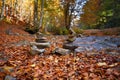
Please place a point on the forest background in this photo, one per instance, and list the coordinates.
(61, 16)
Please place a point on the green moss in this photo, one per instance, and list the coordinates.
(78, 30)
(63, 31)
(58, 30)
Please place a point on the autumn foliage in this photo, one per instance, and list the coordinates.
(16, 61)
(58, 17)
(90, 12)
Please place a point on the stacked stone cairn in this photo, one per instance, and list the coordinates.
(39, 45)
(66, 47)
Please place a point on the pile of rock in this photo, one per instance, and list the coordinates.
(39, 45)
(68, 43)
(66, 47)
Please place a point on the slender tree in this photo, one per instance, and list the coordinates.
(2, 10)
(15, 7)
(68, 10)
(41, 14)
(35, 12)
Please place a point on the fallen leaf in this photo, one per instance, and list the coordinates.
(33, 65)
(101, 64)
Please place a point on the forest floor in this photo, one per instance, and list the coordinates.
(16, 62)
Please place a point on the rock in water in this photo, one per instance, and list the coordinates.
(9, 78)
(80, 49)
(61, 51)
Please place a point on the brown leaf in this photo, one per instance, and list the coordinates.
(85, 76)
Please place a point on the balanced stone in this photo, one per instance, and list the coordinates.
(69, 46)
(71, 38)
(41, 45)
(39, 35)
(35, 50)
(61, 51)
(41, 40)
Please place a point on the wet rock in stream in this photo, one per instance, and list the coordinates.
(92, 43)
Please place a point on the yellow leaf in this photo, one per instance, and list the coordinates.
(101, 64)
(7, 68)
(33, 65)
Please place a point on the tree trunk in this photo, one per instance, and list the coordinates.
(15, 7)
(41, 15)
(11, 8)
(66, 13)
(69, 23)
(20, 10)
(2, 10)
(35, 12)
(68, 18)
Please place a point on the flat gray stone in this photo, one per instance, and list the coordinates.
(41, 45)
(62, 51)
(35, 50)
(9, 78)
(69, 46)
(39, 35)
(41, 40)
(80, 49)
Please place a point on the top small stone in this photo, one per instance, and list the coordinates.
(39, 35)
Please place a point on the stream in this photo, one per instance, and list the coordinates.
(97, 43)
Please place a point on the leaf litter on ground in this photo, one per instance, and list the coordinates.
(16, 61)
